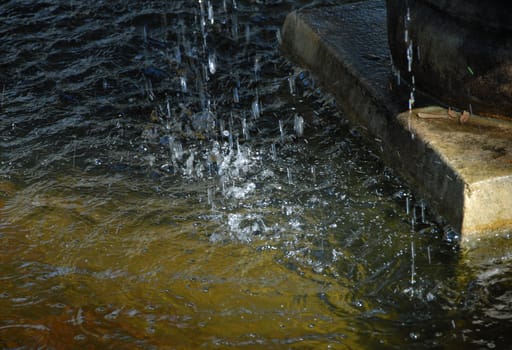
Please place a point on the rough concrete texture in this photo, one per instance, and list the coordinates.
(464, 169)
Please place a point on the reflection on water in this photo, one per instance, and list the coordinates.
(167, 180)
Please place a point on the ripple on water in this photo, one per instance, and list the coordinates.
(168, 179)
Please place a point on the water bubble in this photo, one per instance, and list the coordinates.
(414, 335)
(79, 337)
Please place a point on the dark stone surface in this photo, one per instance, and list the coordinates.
(489, 14)
(462, 51)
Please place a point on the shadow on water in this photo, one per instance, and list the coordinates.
(168, 180)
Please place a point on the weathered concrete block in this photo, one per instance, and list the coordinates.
(464, 169)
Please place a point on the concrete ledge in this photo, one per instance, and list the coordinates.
(464, 169)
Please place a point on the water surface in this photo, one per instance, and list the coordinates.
(168, 180)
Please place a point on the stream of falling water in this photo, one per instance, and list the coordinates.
(168, 180)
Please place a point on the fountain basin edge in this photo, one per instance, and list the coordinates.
(464, 170)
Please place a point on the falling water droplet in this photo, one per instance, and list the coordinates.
(409, 54)
(210, 13)
(245, 129)
(236, 97)
(189, 165)
(281, 130)
(413, 267)
(183, 84)
(291, 84)
(211, 195)
(212, 63)
(298, 125)
(255, 108)
(257, 68)
(168, 107)
(273, 152)
(247, 34)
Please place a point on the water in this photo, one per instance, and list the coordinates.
(168, 180)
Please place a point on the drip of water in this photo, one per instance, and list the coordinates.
(211, 196)
(255, 108)
(183, 84)
(409, 53)
(413, 267)
(245, 129)
(236, 96)
(234, 27)
(298, 125)
(257, 68)
(247, 34)
(273, 152)
(168, 109)
(210, 13)
(281, 130)
(278, 36)
(189, 165)
(212, 63)
(291, 84)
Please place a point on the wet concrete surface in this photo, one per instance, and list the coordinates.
(463, 169)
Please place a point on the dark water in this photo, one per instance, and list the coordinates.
(168, 180)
